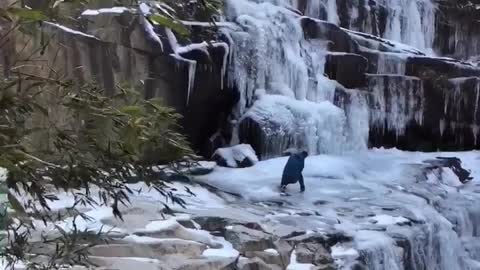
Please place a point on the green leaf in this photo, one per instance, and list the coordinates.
(15, 204)
(170, 23)
(132, 110)
(27, 14)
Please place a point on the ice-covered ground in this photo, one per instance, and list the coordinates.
(378, 197)
(399, 212)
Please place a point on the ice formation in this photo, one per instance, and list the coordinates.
(398, 100)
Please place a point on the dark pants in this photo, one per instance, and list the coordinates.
(287, 180)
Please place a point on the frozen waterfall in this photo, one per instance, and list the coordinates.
(271, 54)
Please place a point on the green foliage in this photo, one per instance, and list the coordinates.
(92, 156)
(173, 24)
(56, 135)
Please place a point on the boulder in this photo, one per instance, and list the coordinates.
(327, 240)
(213, 224)
(129, 263)
(158, 249)
(312, 253)
(244, 239)
(455, 164)
(255, 264)
(238, 156)
(269, 256)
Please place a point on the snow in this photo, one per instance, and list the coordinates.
(237, 153)
(226, 250)
(151, 32)
(271, 251)
(69, 30)
(94, 224)
(160, 225)
(389, 220)
(144, 9)
(113, 10)
(294, 265)
(381, 177)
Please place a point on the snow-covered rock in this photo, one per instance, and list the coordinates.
(238, 156)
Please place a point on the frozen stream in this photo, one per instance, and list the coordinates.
(399, 216)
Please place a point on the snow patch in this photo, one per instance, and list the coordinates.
(69, 30)
(389, 220)
(295, 265)
(113, 10)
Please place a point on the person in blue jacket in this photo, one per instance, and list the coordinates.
(292, 173)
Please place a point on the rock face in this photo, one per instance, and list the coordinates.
(383, 62)
(119, 46)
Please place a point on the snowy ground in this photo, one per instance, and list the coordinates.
(375, 197)
(370, 196)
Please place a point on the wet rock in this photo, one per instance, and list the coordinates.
(312, 253)
(308, 238)
(244, 239)
(154, 250)
(284, 249)
(212, 224)
(269, 256)
(450, 68)
(255, 264)
(166, 263)
(340, 41)
(187, 223)
(210, 263)
(326, 267)
(347, 69)
(455, 164)
(128, 263)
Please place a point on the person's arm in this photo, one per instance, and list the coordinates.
(302, 186)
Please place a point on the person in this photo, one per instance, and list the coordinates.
(292, 173)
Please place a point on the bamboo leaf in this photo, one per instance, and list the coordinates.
(169, 23)
(27, 15)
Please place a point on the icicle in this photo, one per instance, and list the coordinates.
(475, 129)
(477, 100)
(397, 101)
(357, 112)
(192, 66)
(442, 127)
(226, 56)
(391, 63)
(332, 12)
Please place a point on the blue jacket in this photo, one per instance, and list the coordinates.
(292, 173)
